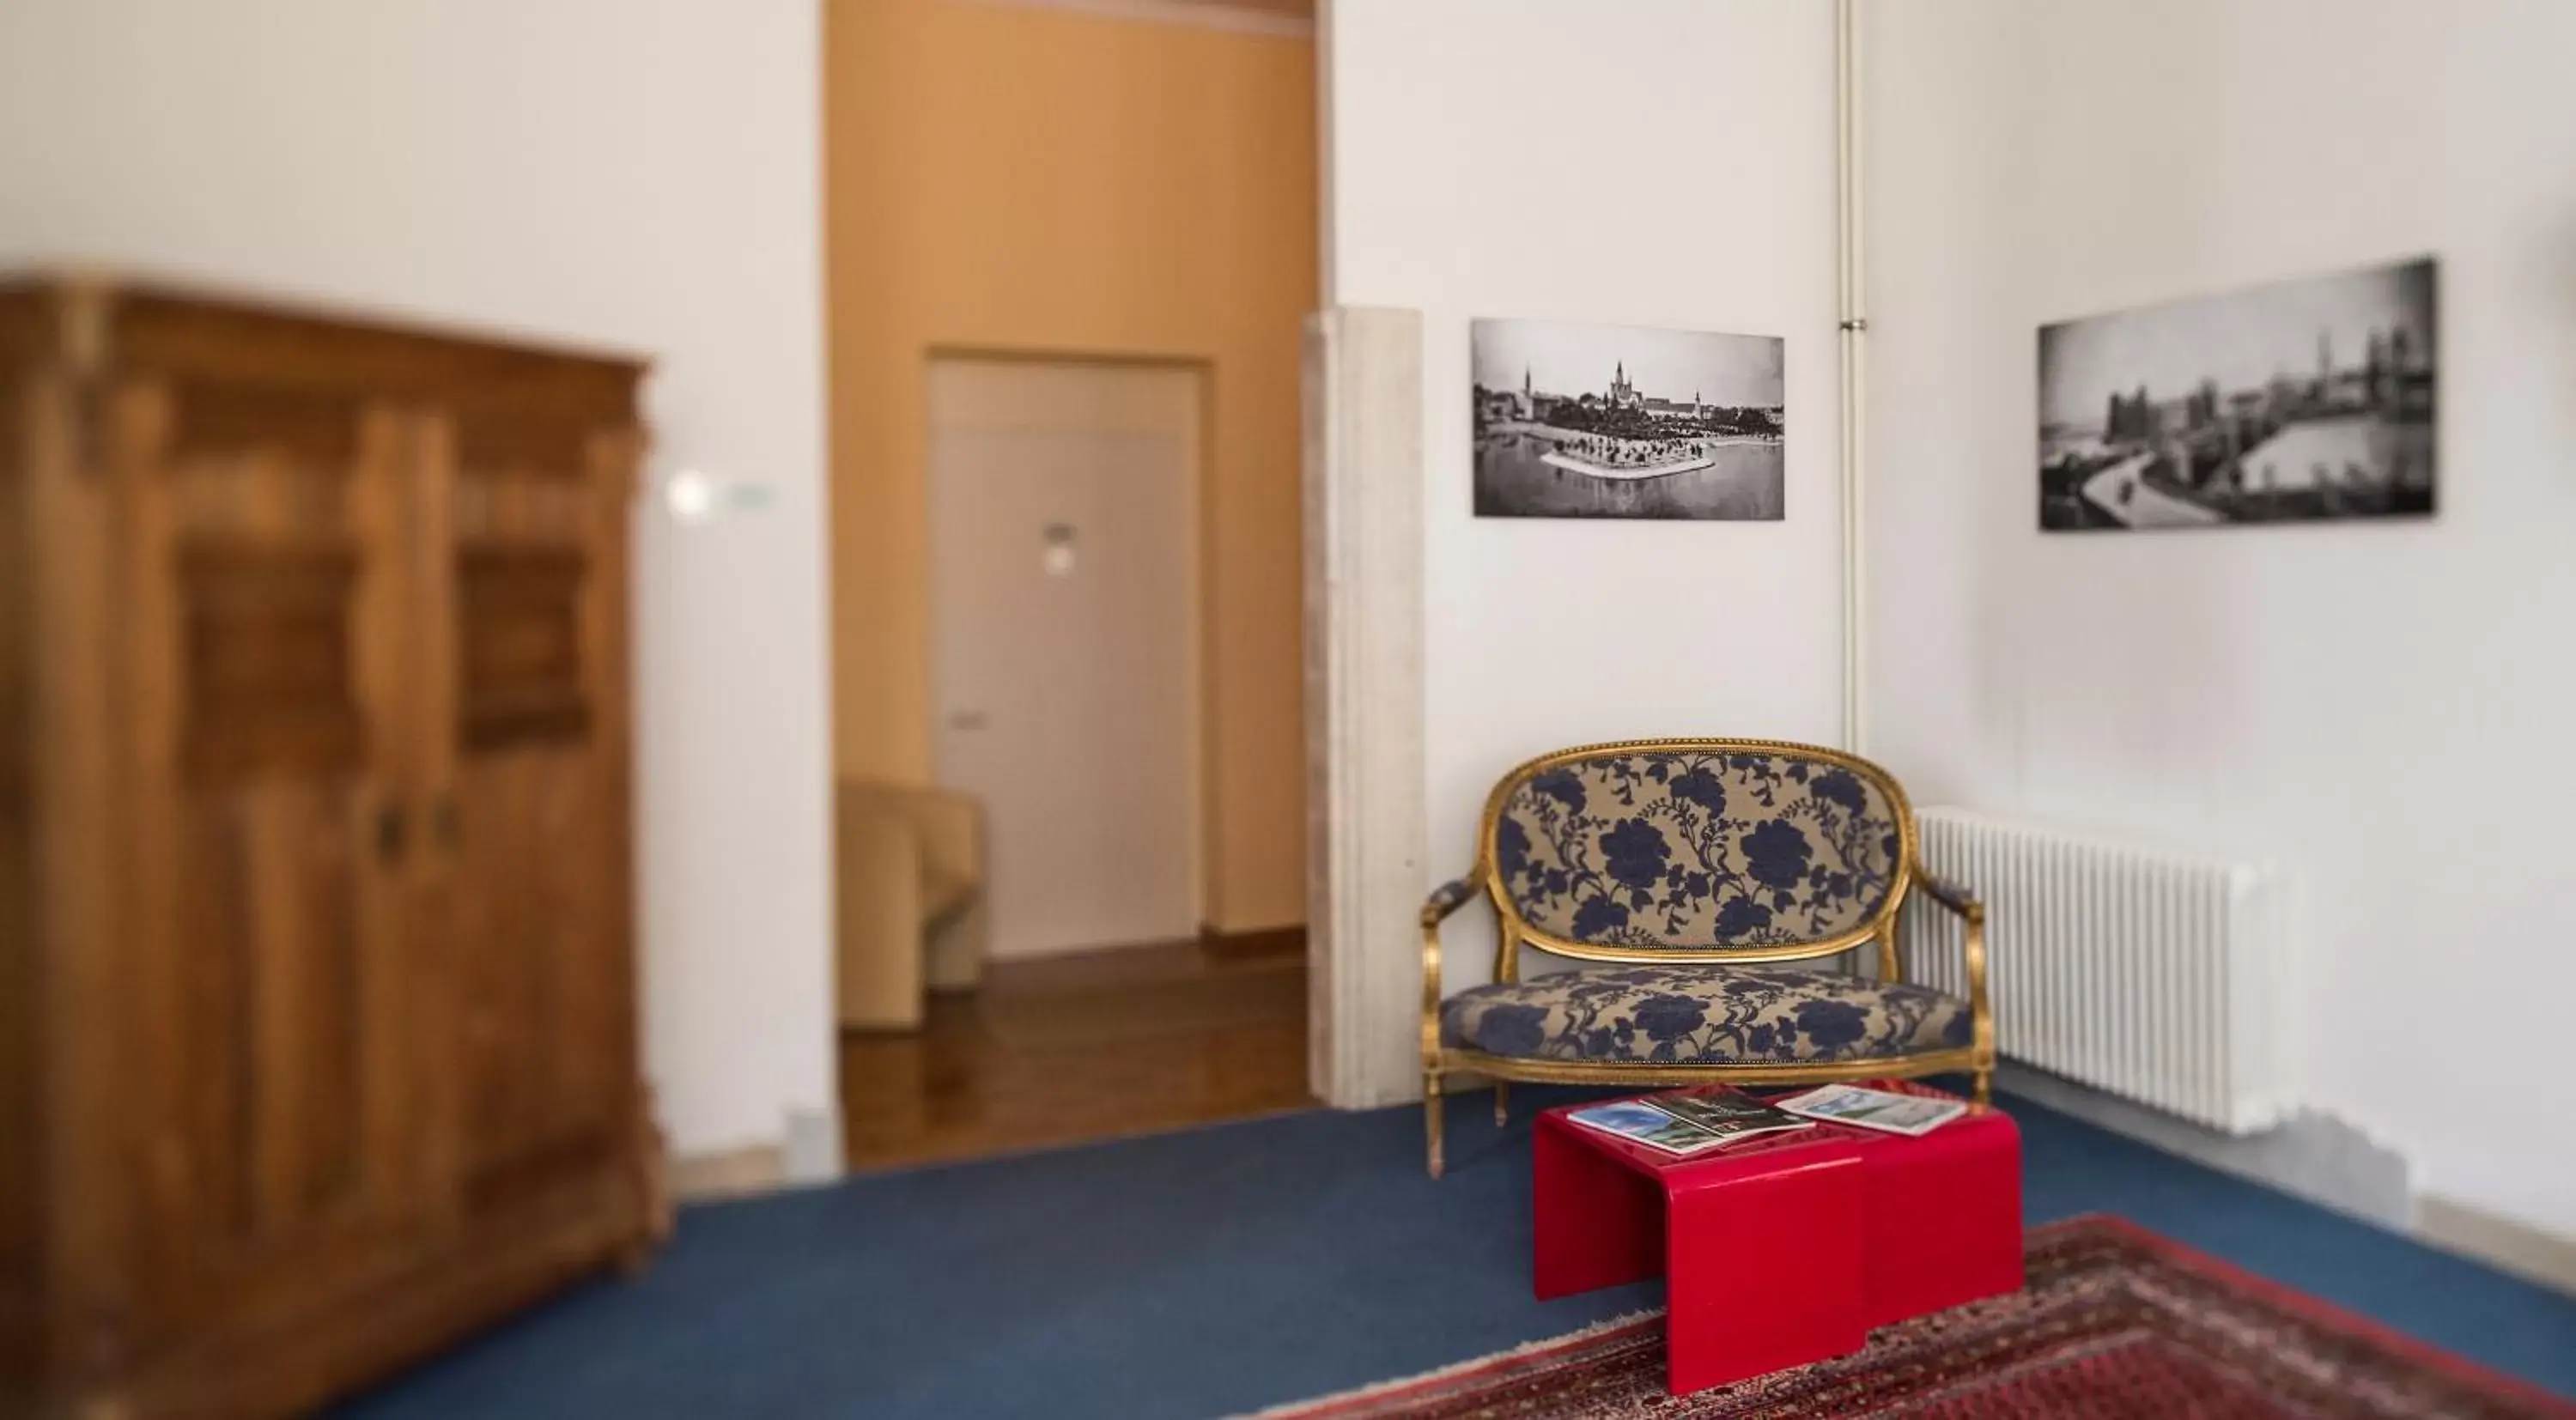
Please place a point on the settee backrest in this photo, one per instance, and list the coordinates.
(1696, 849)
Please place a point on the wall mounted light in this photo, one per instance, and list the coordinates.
(694, 496)
(690, 495)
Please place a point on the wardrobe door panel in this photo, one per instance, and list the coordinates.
(538, 811)
(271, 1102)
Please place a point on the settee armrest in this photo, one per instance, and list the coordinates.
(1949, 894)
(1445, 899)
(1972, 914)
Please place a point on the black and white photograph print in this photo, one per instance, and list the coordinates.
(1595, 421)
(2299, 401)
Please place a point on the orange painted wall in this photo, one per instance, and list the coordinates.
(1001, 177)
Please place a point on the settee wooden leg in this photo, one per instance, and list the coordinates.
(1986, 1085)
(1431, 1116)
(1502, 1103)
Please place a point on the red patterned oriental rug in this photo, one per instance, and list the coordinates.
(2115, 1323)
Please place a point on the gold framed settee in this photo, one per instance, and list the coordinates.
(1697, 884)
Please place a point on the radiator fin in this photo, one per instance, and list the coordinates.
(2143, 973)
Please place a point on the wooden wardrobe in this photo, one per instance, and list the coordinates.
(317, 996)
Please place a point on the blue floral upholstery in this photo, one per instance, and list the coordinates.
(1697, 850)
(1702, 1015)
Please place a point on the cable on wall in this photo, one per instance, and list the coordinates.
(1855, 327)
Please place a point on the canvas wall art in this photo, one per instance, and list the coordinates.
(2298, 401)
(1590, 421)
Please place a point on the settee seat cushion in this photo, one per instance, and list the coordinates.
(1703, 1014)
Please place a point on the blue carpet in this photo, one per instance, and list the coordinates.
(1223, 1269)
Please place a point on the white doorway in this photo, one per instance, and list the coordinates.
(1064, 586)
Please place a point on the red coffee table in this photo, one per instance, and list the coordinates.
(1785, 1249)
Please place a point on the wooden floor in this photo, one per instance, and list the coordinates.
(1062, 1050)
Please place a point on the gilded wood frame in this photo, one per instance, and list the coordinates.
(1512, 931)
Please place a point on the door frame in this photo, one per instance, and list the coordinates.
(1366, 800)
(1199, 741)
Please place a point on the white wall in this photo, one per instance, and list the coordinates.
(1657, 162)
(639, 174)
(2384, 710)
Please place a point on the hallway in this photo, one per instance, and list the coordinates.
(1094, 1045)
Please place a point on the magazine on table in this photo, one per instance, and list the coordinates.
(1688, 1122)
(1884, 1110)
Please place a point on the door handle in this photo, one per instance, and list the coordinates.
(389, 833)
(969, 720)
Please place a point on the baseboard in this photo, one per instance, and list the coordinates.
(2502, 1243)
(1225, 944)
(813, 1153)
(809, 1154)
(728, 1173)
(2325, 1161)
(1239, 19)
(1264, 929)
(2311, 1155)
(1266, 942)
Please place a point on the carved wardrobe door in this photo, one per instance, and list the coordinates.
(269, 1058)
(314, 806)
(531, 784)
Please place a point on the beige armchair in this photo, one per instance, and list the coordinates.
(911, 889)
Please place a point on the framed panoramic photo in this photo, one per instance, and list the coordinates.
(1595, 421)
(2301, 401)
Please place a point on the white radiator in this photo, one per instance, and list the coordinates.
(2146, 974)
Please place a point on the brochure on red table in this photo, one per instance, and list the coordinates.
(1688, 1121)
(1884, 1110)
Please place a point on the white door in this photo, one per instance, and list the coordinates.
(1064, 632)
